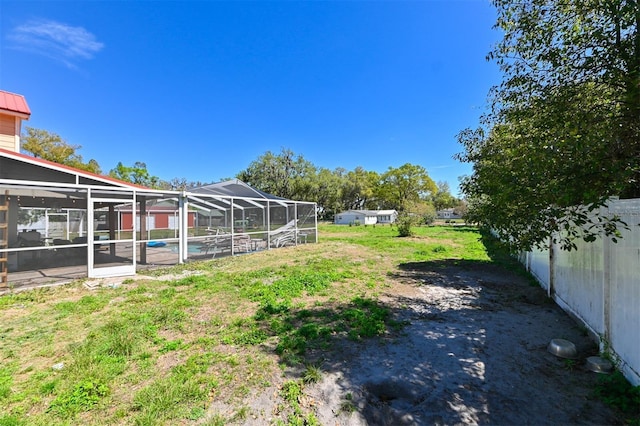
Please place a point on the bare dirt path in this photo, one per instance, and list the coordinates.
(473, 352)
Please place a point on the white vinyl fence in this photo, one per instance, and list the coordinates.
(599, 284)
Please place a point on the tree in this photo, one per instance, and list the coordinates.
(328, 188)
(286, 175)
(533, 180)
(414, 213)
(562, 49)
(174, 184)
(137, 174)
(404, 184)
(359, 188)
(50, 146)
(562, 135)
(461, 208)
(291, 176)
(442, 199)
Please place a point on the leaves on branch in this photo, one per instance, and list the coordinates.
(564, 126)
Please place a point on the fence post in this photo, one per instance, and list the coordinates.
(606, 289)
(551, 291)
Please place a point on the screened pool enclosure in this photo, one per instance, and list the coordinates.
(59, 223)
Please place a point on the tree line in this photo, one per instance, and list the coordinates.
(408, 189)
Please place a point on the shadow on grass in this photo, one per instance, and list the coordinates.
(467, 345)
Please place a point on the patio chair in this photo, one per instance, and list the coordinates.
(30, 239)
(285, 235)
(218, 242)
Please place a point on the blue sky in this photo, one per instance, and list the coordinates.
(200, 89)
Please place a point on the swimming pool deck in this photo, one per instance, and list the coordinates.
(52, 275)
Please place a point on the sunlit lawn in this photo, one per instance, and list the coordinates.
(154, 351)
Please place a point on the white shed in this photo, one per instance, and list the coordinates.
(365, 217)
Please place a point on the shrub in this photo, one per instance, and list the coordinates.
(429, 216)
(404, 224)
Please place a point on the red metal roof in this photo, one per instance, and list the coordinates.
(14, 103)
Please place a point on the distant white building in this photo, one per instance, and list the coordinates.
(447, 214)
(365, 217)
(386, 216)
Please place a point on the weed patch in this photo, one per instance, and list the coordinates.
(244, 331)
(295, 283)
(81, 397)
(614, 390)
(366, 318)
(291, 392)
(300, 330)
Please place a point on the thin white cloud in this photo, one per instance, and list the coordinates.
(55, 40)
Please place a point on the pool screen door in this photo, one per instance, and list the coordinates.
(111, 249)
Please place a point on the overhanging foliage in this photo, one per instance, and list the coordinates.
(563, 128)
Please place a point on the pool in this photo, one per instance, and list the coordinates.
(191, 248)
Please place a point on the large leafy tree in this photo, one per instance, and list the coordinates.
(563, 49)
(285, 174)
(563, 128)
(407, 183)
(328, 189)
(359, 188)
(50, 146)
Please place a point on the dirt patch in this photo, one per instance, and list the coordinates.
(473, 352)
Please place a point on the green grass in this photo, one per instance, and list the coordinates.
(432, 242)
(159, 352)
(617, 392)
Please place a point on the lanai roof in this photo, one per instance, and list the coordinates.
(37, 179)
(234, 188)
(17, 166)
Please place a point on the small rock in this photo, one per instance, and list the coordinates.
(57, 367)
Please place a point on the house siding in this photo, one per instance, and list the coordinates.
(349, 217)
(127, 221)
(387, 216)
(8, 132)
(370, 220)
(448, 214)
(160, 220)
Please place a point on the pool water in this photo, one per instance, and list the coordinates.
(191, 248)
